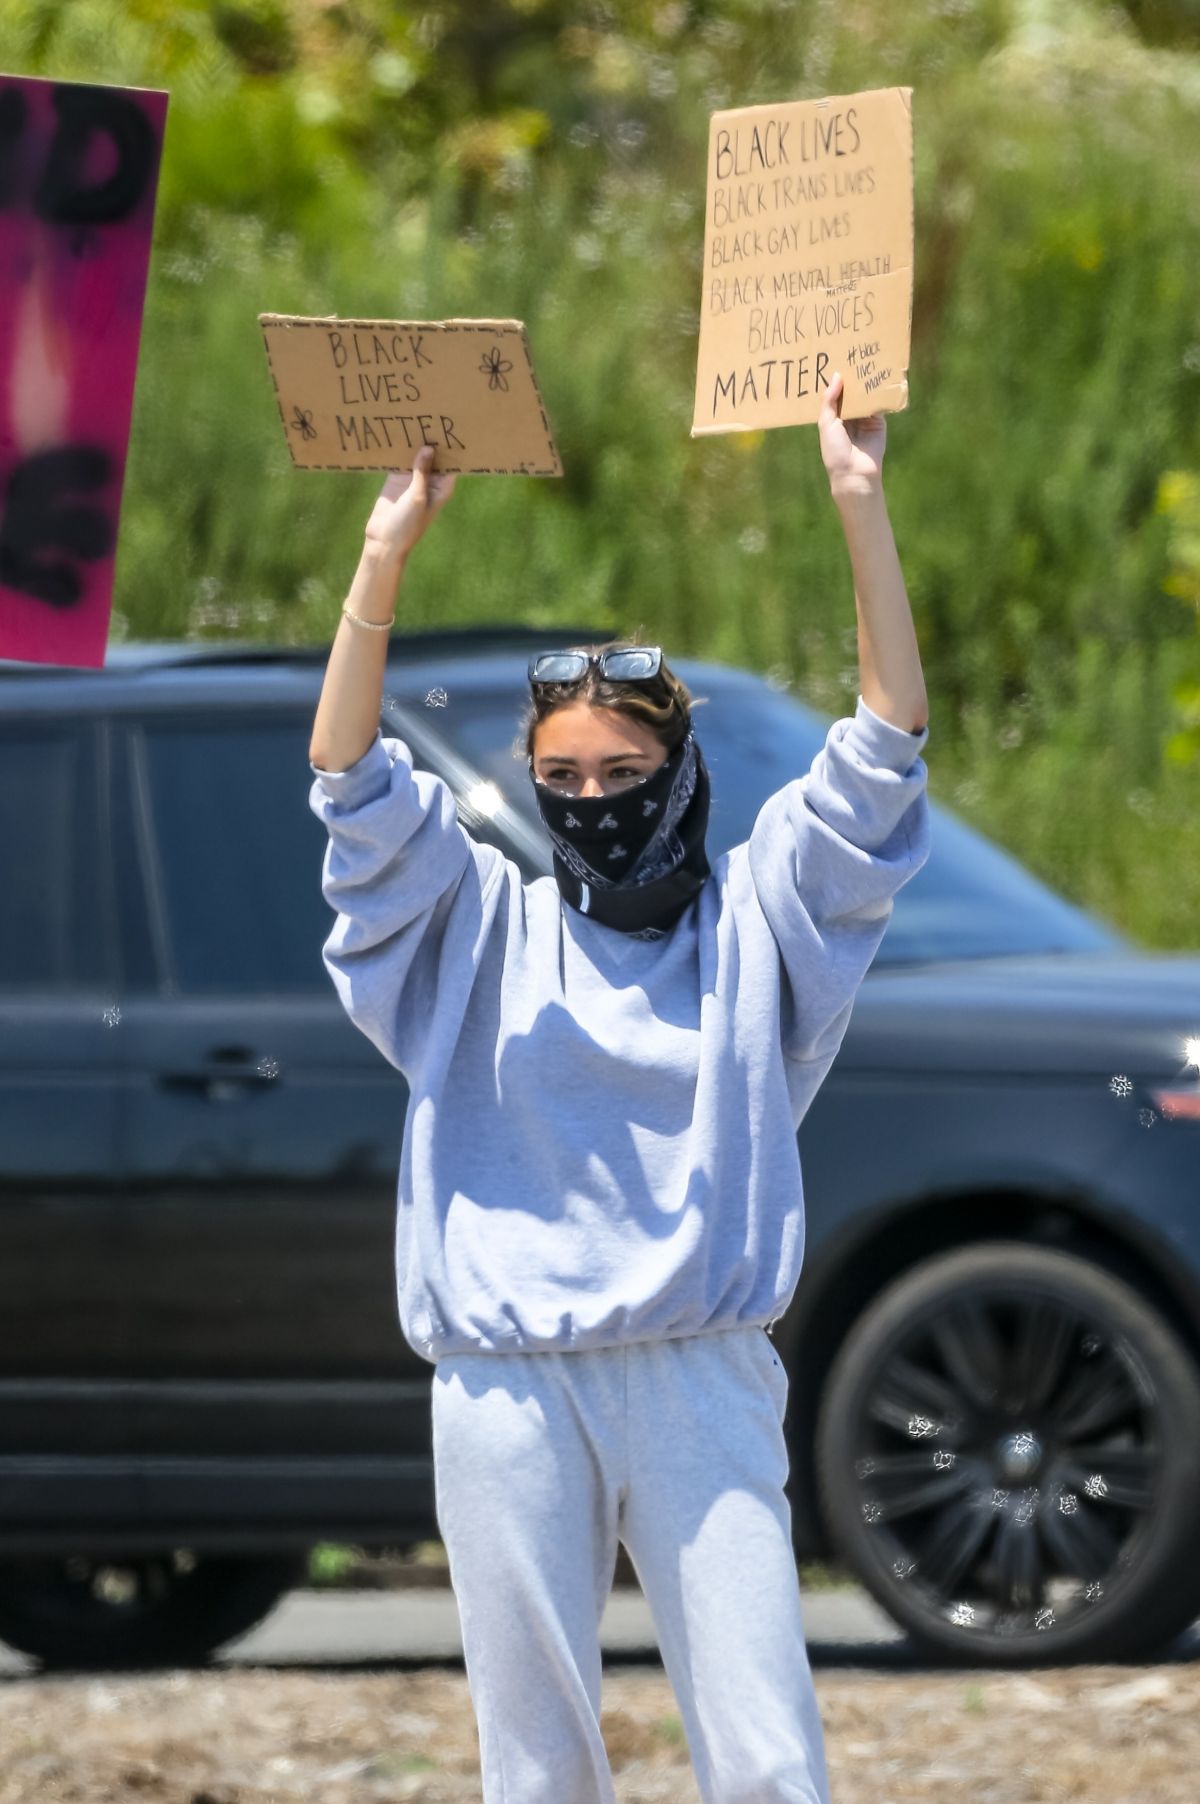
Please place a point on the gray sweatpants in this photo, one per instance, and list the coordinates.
(542, 1462)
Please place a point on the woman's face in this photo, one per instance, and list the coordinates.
(585, 751)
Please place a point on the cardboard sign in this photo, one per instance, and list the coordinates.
(80, 171)
(808, 253)
(366, 394)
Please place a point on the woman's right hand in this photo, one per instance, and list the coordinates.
(406, 505)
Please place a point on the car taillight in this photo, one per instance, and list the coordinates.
(1178, 1102)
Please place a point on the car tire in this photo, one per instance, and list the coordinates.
(84, 1612)
(1008, 1458)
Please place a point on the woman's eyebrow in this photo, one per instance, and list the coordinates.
(612, 758)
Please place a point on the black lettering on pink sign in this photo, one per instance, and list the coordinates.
(78, 173)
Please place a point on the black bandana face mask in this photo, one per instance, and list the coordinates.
(633, 860)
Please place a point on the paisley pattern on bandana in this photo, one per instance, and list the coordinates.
(659, 862)
(664, 850)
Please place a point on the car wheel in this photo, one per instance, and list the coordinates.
(152, 1609)
(1008, 1455)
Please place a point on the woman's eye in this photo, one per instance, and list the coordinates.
(568, 776)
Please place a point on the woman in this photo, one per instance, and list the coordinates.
(600, 1208)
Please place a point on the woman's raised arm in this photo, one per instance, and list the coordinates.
(891, 679)
(347, 717)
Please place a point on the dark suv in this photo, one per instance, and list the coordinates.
(993, 1351)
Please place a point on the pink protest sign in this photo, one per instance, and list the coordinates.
(78, 174)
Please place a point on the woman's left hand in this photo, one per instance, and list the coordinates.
(852, 449)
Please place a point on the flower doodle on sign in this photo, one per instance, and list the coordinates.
(302, 422)
(495, 367)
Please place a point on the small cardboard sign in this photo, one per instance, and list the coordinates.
(808, 255)
(78, 177)
(366, 394)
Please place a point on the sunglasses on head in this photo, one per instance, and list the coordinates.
(620, 663)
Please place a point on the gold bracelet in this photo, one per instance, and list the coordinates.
(378, 626)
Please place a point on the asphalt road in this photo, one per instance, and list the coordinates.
(332, 1628)
(423, 1624)
(420, 1627)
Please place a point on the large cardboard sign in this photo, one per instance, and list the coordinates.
(78, 176)
(366, 394)
(808, 253)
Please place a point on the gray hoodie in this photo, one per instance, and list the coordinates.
(600, 1143)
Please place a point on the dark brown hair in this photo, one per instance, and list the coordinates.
(664, 704)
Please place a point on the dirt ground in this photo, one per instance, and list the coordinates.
(1092, 1735)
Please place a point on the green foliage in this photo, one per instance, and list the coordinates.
(1179, 501)
(535, 160)
(329, 1564)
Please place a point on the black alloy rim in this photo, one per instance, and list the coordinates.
(1008, 1459)
(82, 1588)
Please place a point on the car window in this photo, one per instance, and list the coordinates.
(51, 908)
(236, 855)
(970, 899)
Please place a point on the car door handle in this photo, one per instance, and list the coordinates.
(215, 1086)
(232, 1071)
